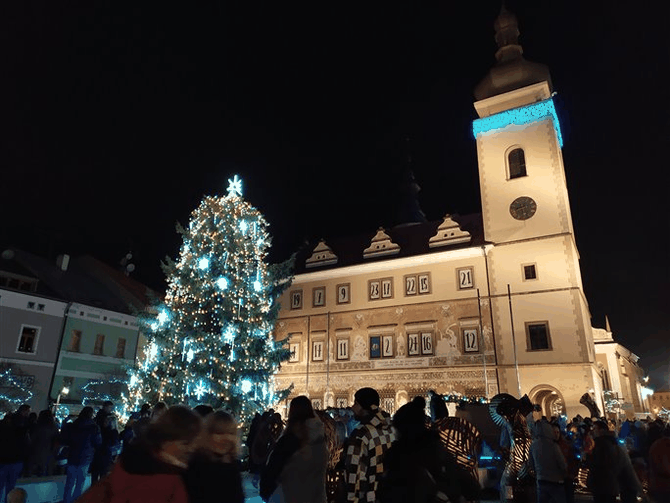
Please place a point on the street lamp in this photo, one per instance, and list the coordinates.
(63, 392)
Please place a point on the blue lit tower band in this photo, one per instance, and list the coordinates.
(211, 341)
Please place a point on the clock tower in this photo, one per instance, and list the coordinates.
(540, 313)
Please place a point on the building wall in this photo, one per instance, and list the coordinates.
(19, 310)
(75, 367)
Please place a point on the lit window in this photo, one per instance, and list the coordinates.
(75, 341)
(121, 348)
(517, 163)
(28, 339)
(538, 336)
(99, 344)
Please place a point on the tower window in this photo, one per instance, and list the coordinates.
(121, 348)
(529, 272)
(516, 161)
(537, 336)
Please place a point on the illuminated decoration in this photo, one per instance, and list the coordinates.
(200, 390)
(646, 391)
(519, 117)
(222, 283)
(234, 187)
(14, 392)
(162, 316)
(246, 385)
(220, 304)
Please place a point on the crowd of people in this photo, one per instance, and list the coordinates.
(178, 454)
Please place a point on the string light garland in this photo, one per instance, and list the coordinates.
(16, 393)
(212, 340)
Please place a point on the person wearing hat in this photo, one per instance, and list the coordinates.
(364, 458)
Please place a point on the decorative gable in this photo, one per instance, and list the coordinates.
(322, 255)
(381, 245)
(449, 233)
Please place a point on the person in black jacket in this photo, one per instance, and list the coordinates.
(108, 449)
(417, 467)
(213, 474)
(14, 442)
(82, 437)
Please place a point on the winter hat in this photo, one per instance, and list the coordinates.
(410, 419)
(367, 397)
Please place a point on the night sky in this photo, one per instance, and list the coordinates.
(117, 119)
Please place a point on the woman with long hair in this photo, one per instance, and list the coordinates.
(213, 474)
(297, 465)
(151, 468)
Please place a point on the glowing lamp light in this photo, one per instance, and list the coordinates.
(222, 283)
(203, 263)
(646, 392)
(519, 117)
(246, 385)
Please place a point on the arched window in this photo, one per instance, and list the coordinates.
(517, 163)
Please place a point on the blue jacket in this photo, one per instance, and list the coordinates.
(81, 437)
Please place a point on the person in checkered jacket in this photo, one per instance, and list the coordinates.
(365, 448)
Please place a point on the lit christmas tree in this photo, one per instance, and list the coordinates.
(212, 340)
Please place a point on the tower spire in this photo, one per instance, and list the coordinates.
(511, 71)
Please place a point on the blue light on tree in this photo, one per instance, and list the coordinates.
(519, 117)
(222, 283)
(246, 385)
(200, 390)
(244, 226)
(203, 263)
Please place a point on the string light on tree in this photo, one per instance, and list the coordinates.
(215, 340)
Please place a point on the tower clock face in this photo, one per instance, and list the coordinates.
(522, 208)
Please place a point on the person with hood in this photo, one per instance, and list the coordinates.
(298, 462)
(417, 467)
(366, 447)
(547, 461)
(213, 474)
(14, 441)
(151, 468)
(81, 437)
(605, 463)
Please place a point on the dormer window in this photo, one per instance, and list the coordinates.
(516, 161)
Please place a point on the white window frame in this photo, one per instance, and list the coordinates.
(37, 339)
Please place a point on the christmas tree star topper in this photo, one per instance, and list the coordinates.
(234, 187)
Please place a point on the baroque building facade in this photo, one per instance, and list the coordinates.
(472, 305)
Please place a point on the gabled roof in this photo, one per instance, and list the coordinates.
(86, 281)
(413, 239)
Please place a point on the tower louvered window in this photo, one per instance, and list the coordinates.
(517, 163)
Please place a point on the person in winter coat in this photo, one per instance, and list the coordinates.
(108, 450)
(81, 437)
(299, 459)
(44, 438)
(659, 468)
(570, 454)
(151, 468)
(547, 460)
(364, 456)
(417, 467)
(213, 474)
(605, 463)
(14, 441)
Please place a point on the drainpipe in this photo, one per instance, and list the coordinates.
(60, 346)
